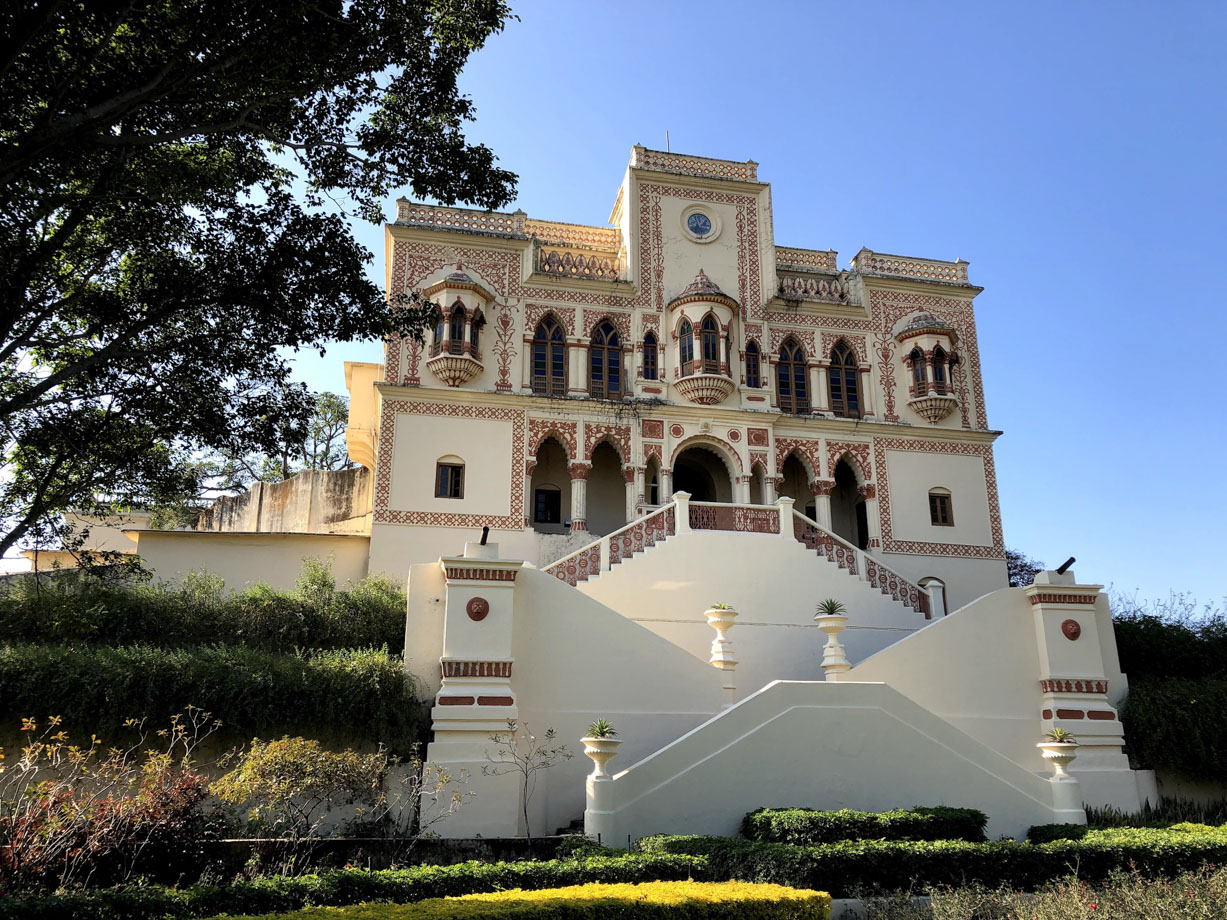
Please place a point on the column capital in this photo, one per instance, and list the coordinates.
(579, 470)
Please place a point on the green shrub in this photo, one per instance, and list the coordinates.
(806, 827)
(850, 867)
(1046, 833)
(359, 695)
(343, 887)
(74, 607)
(1180, 725)
(1166, 812)
(648, 901)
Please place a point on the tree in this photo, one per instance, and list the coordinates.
(320, 446)
(166, 170)
(521, 753)
(1022, 568)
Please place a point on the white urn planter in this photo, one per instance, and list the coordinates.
(1060, 754)
(601, 751)
(834, 661)
(721, 620)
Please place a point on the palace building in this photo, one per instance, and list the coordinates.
(668, 413)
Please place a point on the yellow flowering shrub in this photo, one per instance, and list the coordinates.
(648, 901)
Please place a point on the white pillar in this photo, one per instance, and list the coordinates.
(664, 487)
(820, 399)
(743, 490)
(577, 376)
(682, 522)
(632, 492)
(579, 496)
(822, 502)
(784, 503)
(866, 390)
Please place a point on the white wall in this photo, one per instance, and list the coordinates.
(244, 559)
(828, 746)
(485, 446)
(912, 474)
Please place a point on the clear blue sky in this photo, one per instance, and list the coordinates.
(1074, 154)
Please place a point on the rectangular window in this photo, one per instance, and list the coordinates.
(449, 480)
(548, 506)
(940, 512)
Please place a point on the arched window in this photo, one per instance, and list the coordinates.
(754, 376)
(685, 336)
(605, 363)
(475, 334)
(939, 371)
(941, 509)
(440, 325)
(649, 357)
(843, 377)
(455, 338)
(449, 477)
(790, 377)
(549, 359)
(709, 339)
(920, 384)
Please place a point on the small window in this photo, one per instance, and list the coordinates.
(941, 512)
(649, 356)
(449, 480)
(685, 334)
(709, 340)
(753, 366)
(547, 506)
(920, 384)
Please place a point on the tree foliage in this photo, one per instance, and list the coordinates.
(164, 240)
(1022, 568)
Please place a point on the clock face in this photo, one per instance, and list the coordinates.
(699, 224)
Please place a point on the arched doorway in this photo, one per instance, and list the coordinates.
(606, 491)
(796, 486)
(758, 485)
(651, 484)
(551, 489)
(848, 516)
(702, 472)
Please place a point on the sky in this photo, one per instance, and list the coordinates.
(1074, 153)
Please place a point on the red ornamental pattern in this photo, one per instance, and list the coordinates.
(503, 349)
(650, 451)
(383, 514)
(466, 573)
(567, 434)
(707, 516)
(577, 567)
(825, 545)
(644, 533)
(898, 588)
(1080, 685)
(618, 435)
(535, 312)
(734, 435)
(452, 667)
(676, 430)
(652, 263)
(884, 349)
(653, 428)
(698, 440)
(928, 548)
(757, 437)
(809, 449)
(621, 322)
(1050, 598)
(855, 342)
(803, 337)
(837, 450)
(758, 459)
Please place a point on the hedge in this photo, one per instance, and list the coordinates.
(806, 827)
(359, 696)
(1178, 724)
(851, 867)
(73, 607)
(596, 901)
(345, 887)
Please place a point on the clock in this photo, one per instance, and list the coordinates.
(699, 224)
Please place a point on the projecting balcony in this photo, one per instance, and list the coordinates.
(933, 407)
(701, 382)
(454, 363)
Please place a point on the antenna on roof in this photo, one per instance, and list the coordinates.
(667, 150)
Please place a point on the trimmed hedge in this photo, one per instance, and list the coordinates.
(851, 867)
(345, 887)
(73, 607)
(648, 901)
(359, 695)
(806, 827)
(1178, 725)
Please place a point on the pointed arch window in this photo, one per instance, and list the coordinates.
(843, 378)
(650, 371)
(605, 363)
(549, 359)
(754, 374)
(940, 372)
(709, 340)
(475, 334)
(685, 343)
(920, 383)
(455, 331)
(440, 333)
(790, 379)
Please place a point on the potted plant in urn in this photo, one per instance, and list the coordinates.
(831, 618)
(1059, 748)
(720, 615)
(601, 744)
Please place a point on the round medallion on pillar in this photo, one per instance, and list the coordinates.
(478, 608)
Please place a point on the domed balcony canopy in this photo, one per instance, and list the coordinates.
(703, 290)
(459, 280)
(927, 324)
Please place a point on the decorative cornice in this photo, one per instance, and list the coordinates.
(1074, 685)
(454, 668)
(1049, 597)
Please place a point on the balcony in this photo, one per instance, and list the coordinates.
(706, 389)
(451, 368)
(933, 406)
